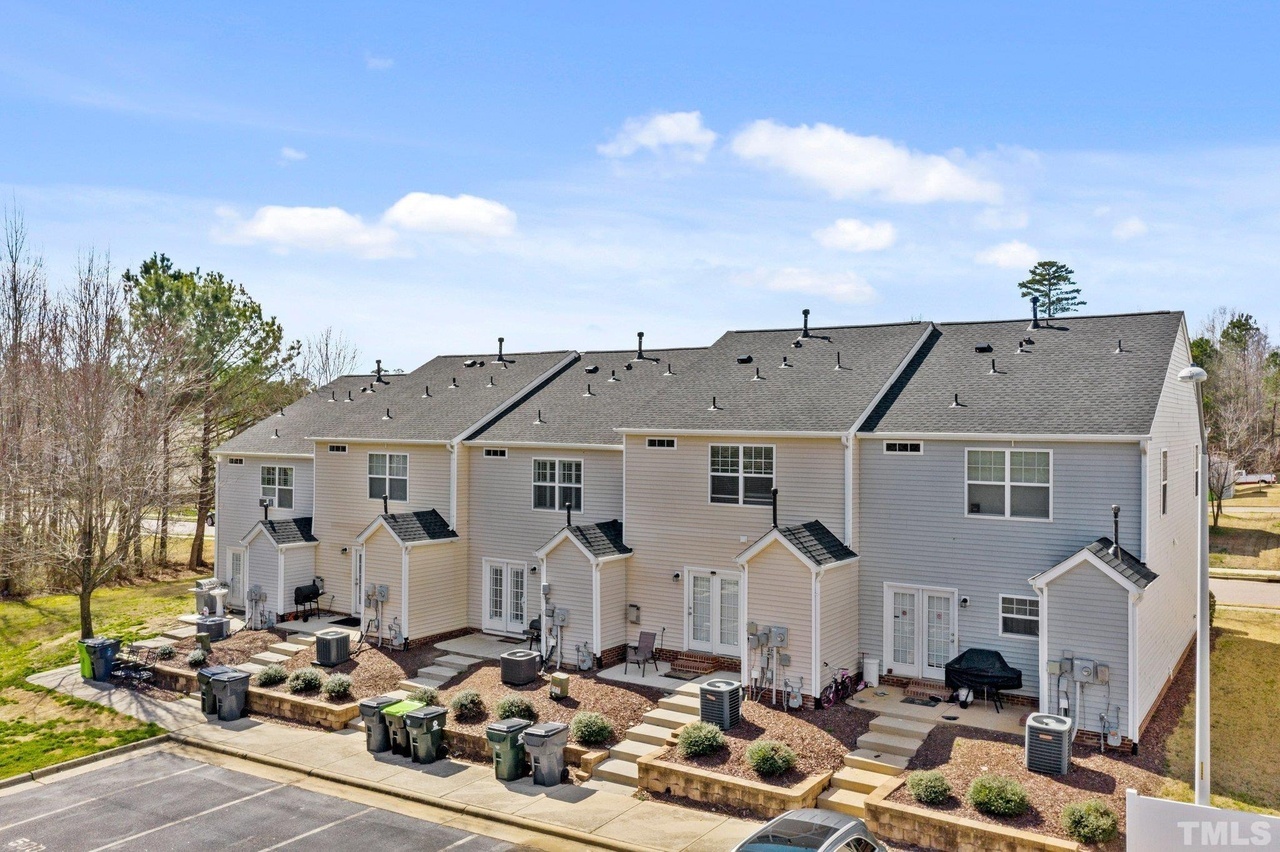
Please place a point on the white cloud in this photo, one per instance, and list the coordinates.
(680, 134)
(848, 166)
(1002, 219)
(440, 214)
(853, 235)
(378, 63)
(837, 286)
(314, 228)
(292, 155)
(1129, 228)
(1011, 255)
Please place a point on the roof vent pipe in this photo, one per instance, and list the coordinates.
(539, 421)
(1119, 347)
(333, 396)
(838, 366)
(276, 434)
(1115, 531)
(426, 391)
(994, 371)
(491, 384)
(384, 505)
(955, 402)
(387, 416)
(568, 513)
(805, 333)
(1035, 311)
(378, 372)
(349, 397)
(280, 413)
(588, 393)
(639, 345)
(757, 377)
(453, 384)
(501, 359)
(669, 372)
(613, 376)
(714, 407)
(773, 492)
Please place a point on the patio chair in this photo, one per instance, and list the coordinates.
(641, 653)
(534, 632)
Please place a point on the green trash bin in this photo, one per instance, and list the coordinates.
(394, 716)
(426, 732)
(96, 657)
(507, 748)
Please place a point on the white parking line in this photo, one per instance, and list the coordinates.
(187, 818)
(285, 843)
(458, 843)
(97, 798)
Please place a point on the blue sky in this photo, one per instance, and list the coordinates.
(428, 178)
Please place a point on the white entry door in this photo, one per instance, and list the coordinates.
(714, 604)
(235, 579)
(357, 582)
(920, 634)
(505, 596)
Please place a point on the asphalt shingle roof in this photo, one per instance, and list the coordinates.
(1126, 563)
(602, 540)
(571, 417)
(289, 531)
(1070, 380)
(809, 395)
(817, 543)
(342, 411)
(418, 526)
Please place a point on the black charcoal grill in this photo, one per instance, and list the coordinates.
(985, 671)
(306, 599)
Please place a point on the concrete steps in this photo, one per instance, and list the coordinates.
(457, 662)
(681, 704)
(436, 672)
(857, 780)
(251, 668)
(667, 718)
(654, 735)
(184, 632)
(288, 649)
(618, 771)
(908, 728)
(874, 761)
(630, 750)
(844, 801)
(694, 689)
(266, 658)
(413, 684)
(889, 744)
(305, 639)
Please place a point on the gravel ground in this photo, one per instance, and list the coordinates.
(962, 753)
(820, 739)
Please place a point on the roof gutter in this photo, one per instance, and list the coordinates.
(1008, 436)
(729, 433)
(221, 453)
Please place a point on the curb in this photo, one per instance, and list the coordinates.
(45, 772)
(1253, 577)
(545, 828)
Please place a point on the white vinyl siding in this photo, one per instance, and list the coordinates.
(741, 474)
(389, 476)
(299, 570)
(780, 592)
(262, 568)
(1019, 616)
(613, 605)
(437, 589)
(838, 624)
(569, 573)
(277, 486)
(557, 482)
(1009, 483)
(239, 488)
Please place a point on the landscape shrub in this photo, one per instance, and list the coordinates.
(337, 686)
(699, 738)
(770, 757)
(515, 707)
(196, 658)
(1090, 822)
(166, 652)
(996, 795)
(467, 706)
(590, 729)
(929, 787)
(1213, 607)
(305, 680)
(425, 695)
(272, 675)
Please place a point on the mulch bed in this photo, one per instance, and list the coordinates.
(962, 753)
(820, 739)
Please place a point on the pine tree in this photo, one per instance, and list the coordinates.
(1052, 282)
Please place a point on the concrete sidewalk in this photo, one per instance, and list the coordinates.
(576, 814)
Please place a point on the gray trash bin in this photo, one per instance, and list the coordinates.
(377, 737)
(204, 677)
(96, 657)
(426, 732)
(230, 689)
(545, 744)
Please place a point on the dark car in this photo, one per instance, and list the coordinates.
(811, 828)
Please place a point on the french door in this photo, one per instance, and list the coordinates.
(920, 635)
(505, 596)
(357, 582)
(714, 606)
(235, 596)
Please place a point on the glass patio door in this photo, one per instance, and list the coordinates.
(714, 608)
(506, 596)
(920, 633)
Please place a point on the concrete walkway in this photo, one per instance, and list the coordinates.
(574, 813)
(1245, 592)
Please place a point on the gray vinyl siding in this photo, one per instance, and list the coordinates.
(838, 621)
(780, 594)
(914, 531)
(672, 525)
(236, 505)
(569, 573)
(262, 568)
(343, 508)
(1088, 615)
(1166, 616)
(613, 605)
(501, 520)
(437, 589)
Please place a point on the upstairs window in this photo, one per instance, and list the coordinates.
(557, 482)
(277, 484)
(389, 475)
(235, 461)
(741, 474)
(1019, 616)
(337, 448)
(904, 447)
(1164, 482)
(660, 443)
(1009, 483)
(1197, 466)
(495, 452)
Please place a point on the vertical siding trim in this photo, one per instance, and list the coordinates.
(848, 442)
(542, 601)
(595, 606)
(1134, 600)
(742, 625)
(1144, 451)
(1043, 677)
(815, 618)
(453, 484)
(404, 593)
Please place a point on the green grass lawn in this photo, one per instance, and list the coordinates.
(1245, 541)
(38, 727)
(1245, 671)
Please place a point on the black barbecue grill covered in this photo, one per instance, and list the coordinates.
(982, 669)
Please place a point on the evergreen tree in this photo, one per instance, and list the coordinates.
(1052, 282)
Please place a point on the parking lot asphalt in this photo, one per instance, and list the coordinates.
(162, 801)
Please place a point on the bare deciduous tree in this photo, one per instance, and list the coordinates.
(326, 356)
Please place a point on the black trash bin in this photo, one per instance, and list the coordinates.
(230, 689)
(377, 736)
(426, 732)
(204, 677)
(96, 657)
(545, 744)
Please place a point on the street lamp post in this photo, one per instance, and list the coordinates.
(1195, 375)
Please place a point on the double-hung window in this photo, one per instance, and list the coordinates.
(277, 485)
(557, 482)
(1164, 482)
(1019, 616)
(1009, 483)
(741, 474)
(389, 475)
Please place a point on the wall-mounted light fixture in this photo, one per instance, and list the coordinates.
(344, 550)
(675, 578)
(533, 569)
(964, 602)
